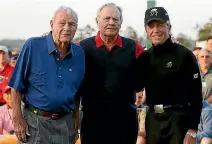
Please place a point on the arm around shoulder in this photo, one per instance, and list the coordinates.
(193, 89)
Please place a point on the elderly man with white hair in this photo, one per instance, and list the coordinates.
(47, 75)
(108, 90)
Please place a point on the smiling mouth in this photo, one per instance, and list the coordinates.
(156, 36)
(67, 35)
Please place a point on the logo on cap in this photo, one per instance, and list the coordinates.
(154, 12)
(169, 64)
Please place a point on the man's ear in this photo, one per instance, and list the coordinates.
(170, 27)
(197, 57)
(97, 22)
(51, 24)
(145, 27)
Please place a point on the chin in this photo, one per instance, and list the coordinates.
(66, 40)
(111, 34)
(157, 43)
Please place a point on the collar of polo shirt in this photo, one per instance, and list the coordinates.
(51, 46)
(99, 41)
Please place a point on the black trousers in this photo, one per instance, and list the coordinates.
(166, 128)
(118, 125)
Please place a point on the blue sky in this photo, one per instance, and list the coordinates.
(28, 18)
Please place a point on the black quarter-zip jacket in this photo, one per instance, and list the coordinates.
(170, 75)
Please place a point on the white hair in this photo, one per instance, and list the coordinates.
(109, 5)
(204, 50)
(69, 10)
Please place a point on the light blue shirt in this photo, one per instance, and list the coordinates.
(205, 126)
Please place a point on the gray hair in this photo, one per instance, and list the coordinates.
(173, 39)
(69, 10)
(205, 50)
(110, 5)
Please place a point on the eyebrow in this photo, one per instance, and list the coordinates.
(204, 55)
(116, 17)
(64, 20)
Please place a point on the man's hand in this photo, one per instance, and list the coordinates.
(20, 129)
(142, 133)
(76, 135)
(20, 125)
(209, 99)
(189, 139)
(76, 119)
(206, 140)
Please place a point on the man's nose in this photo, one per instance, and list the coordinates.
(111, 21)
(67, 27)
(155, 29)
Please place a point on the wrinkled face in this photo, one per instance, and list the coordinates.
(140, 98)
(63, 26)
(157, 32)
(109, 21)
(204, 59)
(13, 62)
(7, 98)
(209, 44)
(4, 57)
(196, 53)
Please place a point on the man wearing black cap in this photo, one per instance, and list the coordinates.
(172, 82)
(14, 57)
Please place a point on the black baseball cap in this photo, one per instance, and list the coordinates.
(156, 13)
(14, 57)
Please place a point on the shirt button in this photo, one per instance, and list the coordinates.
(58, 59)
(59, 67)
(60, 76)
